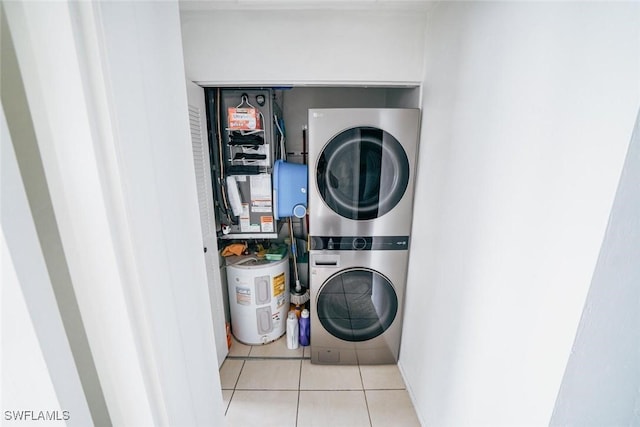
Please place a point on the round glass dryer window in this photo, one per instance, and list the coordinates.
(357, 304)
(362, 173)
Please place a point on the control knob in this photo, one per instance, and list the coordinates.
(359, 243)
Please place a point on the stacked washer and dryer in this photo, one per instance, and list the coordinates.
(361, 179)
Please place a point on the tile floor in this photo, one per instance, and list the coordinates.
(271, 385)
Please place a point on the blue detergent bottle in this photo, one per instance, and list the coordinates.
(305, 326)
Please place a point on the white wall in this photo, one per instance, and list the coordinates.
(528, 110)
(27, 383)
(45, 46)
(303, 46)
(106, 89)
(47, 288)
(601, 385)
(146, 80)
(38, 371)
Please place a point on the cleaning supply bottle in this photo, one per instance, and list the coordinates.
(292, 331)
(305, 326)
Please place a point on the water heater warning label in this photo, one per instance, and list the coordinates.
(266, 224)
(278, 284)
(279, 289)
(243, 295)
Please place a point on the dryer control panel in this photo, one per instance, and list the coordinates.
(360, 243)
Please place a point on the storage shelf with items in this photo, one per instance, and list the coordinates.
(243, 135)
(247, 141)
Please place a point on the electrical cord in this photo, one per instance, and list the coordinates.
(223, 187)
(282, 143)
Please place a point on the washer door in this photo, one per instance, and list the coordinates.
(362, 173)
(357, 304)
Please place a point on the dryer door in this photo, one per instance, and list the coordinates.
(357, 304)
(362, 173)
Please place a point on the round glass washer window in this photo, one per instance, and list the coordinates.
(357, 304)
(362, 173)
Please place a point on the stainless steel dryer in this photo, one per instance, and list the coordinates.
(361, 171)
(357, 299)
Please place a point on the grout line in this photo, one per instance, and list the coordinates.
(233, 392)
(267, 358)
(238, 379)
(226, 410)
(364, 391)
(360, 373)
(366, 402)
(386, 389)
(266, 389)
(299, 384)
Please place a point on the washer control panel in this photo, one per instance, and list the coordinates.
(360, 243)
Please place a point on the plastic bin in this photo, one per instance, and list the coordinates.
(290, 181)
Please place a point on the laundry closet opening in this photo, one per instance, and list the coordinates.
(249, 130)
(314, 55)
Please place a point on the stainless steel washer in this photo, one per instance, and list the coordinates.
(361, 171)
(357, 300)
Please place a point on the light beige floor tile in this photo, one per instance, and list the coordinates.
(383, 377)
(277, 348)
(238, 349)
(333, 408)
(270, 375)
(226, 398)
(329, 377)
(391, 408)
(229, 373)
(262, 408)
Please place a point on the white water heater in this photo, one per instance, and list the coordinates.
(258, 298)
